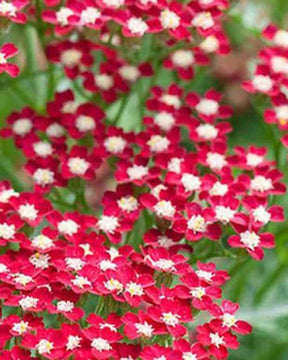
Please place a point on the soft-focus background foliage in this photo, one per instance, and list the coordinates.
(261, 288)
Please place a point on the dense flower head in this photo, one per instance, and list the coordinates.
(121, 271)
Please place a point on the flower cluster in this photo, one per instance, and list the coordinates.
(126, 278)
(271, 78)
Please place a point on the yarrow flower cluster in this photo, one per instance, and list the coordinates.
(126, 278)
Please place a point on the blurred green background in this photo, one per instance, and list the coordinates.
(260, 288)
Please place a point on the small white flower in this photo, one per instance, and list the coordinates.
(65, 306)
(42, 242)
(224, 214)
(107, 265)
(205, 275)
(210, 44)
(128, 203)
(20, 327)
(282, 112)
(55, 130)
(129, 72)
(190, 182)
(134, 289)
(254, 159)
(207, 131)
(40, 261)
(164, 120)
(174, 165)
(218, 189)
(216, 161)
(229, 320)
(73, 342)
(69, 107)
(81, 281)
(28, 302)
(85, 123)
(74, 263)
(261, 214)
(281, 38)
(207, 107)
(43, 148)
(165, 242)
(279, 64)
(7, 8)
(171, 100)
(198, 292)
(5, 195)
(203, 20)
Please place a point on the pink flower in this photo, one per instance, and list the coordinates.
(7, 51)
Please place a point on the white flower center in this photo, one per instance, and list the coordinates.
(174, 165)
(101, 344)
(85, 123)
(22, 279)
(62, 16)
(229, 320)
(28, 211)
(78, 166)
(137, 172)
(3, 268)
(74, 263)
(115, 144)
(128, 203)
(137, 26)
(254, 159)
(5, 195)
(69, 107)
(260, 183)
(104, 81)
(164, 120)
(279, 64)
(281, 38)
(144, 329)
(134, 289)
(206, 275)
(157, 189)
(210, 44)
(207, 107)
(22, 126)
(114, 3)
(107, 265)
(183, 58)
(89, 15)
(7, 232)
(165, 242)
(73, 342)
(42, 242)
(43, 177)
(164, 264)
(261, 214)
(71, 57)
(7, 8)
(216, 339)
(28, 302)
(44, 346)
(68, 227)
(207, 131)
(40, 261)
(129, 72)
(216, 160)
(55, 130)
(81, 281)
(65, 306)
(169, 19)
(250, 239)
(170, 319)
(198, 292)
(108, 223)
(224, 214)
(218, 189)
(164, 208)
(204, 20)
(158, 143)
(262, 83)
(282, 112)
(171, 100)
(43, 148)
(189, 356)
(21, 327)
(190, 182)
(197, 223)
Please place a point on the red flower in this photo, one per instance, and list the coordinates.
(6, 51)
